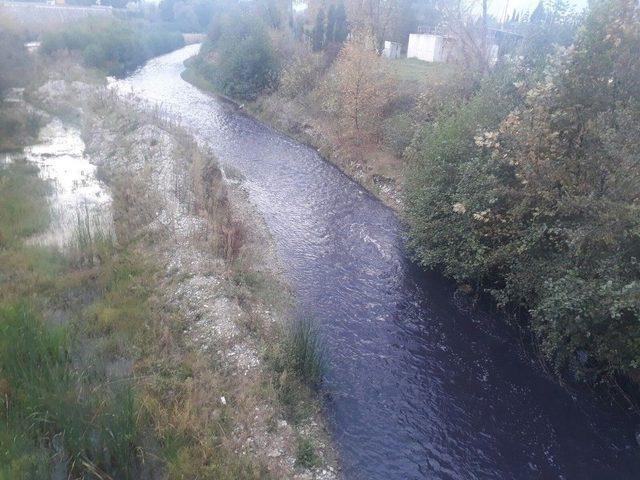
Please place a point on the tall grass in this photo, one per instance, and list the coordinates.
(48, 402)
(23, 207)
(298, 361)
(305, 352)
(92, 239)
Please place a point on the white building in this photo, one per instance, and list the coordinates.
(427, 47)
(438, 48)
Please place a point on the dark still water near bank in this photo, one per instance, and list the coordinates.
(417, 387)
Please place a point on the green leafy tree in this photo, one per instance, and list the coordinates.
(341, 30)
(246, 63)
(331, 25)
(113, 45)
(318, 31)
(531, 191)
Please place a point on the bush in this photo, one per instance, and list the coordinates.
(397, 132)
(115, 46)
(240, 61)
(16, 64)
(538, 204)
(447, 166)
(302, 75)
(305, 352)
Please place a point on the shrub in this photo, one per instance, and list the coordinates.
(302, 75)
(245, 62)
(113, 45)
(538, 204)
(397, 132)
(447, 167)
(305, 352)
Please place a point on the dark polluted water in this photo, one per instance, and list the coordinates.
(417, 387)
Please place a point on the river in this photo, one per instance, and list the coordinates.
(417, 386)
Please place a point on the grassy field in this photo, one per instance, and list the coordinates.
(414, 70)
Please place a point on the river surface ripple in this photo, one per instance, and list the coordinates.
(417, 387)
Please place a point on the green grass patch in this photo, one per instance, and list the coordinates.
(414, 70)
(306, 454)
(23, 198)
(298, 361)
(49, 402)
(305, 352)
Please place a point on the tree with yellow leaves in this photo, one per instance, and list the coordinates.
(358, 89)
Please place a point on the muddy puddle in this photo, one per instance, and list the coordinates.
(76, 193)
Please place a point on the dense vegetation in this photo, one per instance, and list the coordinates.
(530, 191)
(113, 45)
(17, 125)
(238, 58)
(44, 393)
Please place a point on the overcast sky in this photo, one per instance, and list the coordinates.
(497, 7)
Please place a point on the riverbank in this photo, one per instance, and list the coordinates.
(392, 335)
(175, 304)
(375, 168)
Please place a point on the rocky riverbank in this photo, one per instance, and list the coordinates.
(218, 273)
